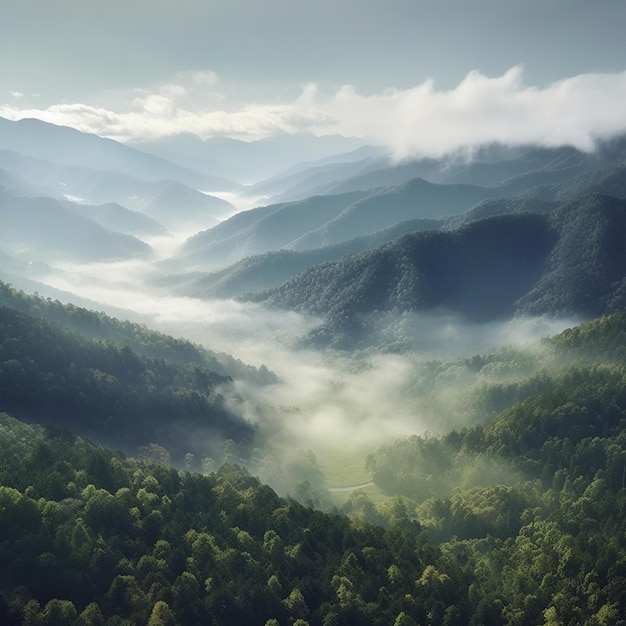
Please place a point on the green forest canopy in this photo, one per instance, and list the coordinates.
(518, 519)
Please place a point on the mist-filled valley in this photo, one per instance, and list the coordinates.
(357, 390)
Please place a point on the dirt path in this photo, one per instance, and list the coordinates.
(351, 487)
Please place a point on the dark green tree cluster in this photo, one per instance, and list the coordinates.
(108, 392)
(479, 270)
(502, 255)
(142, 340)
(569, 260)
(585, 271)
(530, 505)
(91, 537)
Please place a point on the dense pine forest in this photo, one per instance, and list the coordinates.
(515, 519)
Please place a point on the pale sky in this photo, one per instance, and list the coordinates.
(419, 75)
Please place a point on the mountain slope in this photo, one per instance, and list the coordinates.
(479, 271)
(586, 271)
(256, 273)
(324, 220)
(109, 393)
(317, 178)
(415, 199)
(260, 272)
(263, 229)
(118, 218)
(570, 261)
(546, 197)
(550, 177)
(67, 146)
(44, 229)
(143, 341)
(178, 206)
(608, 181)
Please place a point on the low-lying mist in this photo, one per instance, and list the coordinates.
(327, 403)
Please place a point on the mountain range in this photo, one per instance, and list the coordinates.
(373, 237)
(569, 261)
(579, 272)
(510, 512)
(42, 229)
(70, 147)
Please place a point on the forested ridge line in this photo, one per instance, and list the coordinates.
(141, 339)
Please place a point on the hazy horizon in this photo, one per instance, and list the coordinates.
(420, 78)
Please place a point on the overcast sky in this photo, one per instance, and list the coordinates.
(419, 75)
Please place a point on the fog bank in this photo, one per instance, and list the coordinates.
(325, 399)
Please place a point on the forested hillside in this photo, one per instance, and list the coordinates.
(539, 489)
(264, 271)
(140, 339)
(568, 261)
(518, 520)
(479, 271)
(115, 382)
(586, 271)
(91, 538)
(263, 228)
(108, 392)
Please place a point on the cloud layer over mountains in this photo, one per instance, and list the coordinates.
(424, 120)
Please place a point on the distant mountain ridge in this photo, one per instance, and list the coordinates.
(266, 265)
(570, 261)
(175, 205)
(68, 146)
(322, 220)
(515, 167)
(41, 229)
(249, 161)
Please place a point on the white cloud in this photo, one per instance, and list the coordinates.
(422, 120)
(17, 94)
(418, 121)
